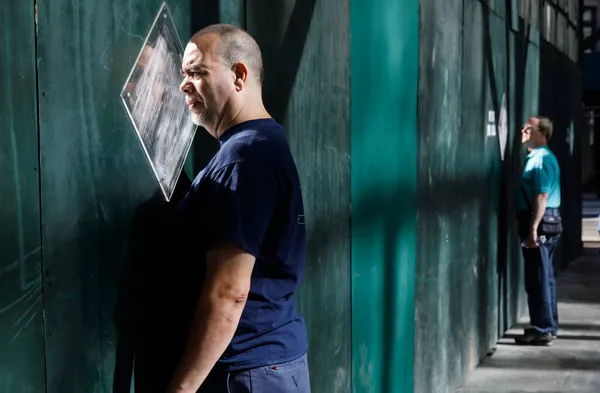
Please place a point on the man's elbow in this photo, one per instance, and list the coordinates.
(229, 294)
(542, 197)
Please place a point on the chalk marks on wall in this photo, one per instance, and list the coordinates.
(155, 105)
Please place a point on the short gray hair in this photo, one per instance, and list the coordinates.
(235, 45)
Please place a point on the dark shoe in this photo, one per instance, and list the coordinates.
(533, 331)
(533, 337)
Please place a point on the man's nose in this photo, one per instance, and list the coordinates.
(185, 86)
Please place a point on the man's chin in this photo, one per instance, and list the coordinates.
(197, 120)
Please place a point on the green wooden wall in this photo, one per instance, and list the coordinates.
(384, 63)
(463, 79)
(306, 51)
(560, 85)
(21, 315)
(474, 56)
(94, 177)
(413, 268)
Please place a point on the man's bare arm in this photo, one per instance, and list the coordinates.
(220, 306)
(539, 207)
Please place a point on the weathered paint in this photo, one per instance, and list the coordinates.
(462, 79)
(305, 46)
(384, 64)
(94, 177)
(21, 316)
(469, 276)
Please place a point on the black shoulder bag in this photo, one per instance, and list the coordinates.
(551, 223)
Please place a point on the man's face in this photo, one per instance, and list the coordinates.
(530, 133)
(207, 82)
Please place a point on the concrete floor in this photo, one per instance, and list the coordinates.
(572, 363)
(589, 225)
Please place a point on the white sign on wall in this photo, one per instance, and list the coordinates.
(503, 127)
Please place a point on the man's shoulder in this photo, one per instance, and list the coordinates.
(548, 158)
(542, 158)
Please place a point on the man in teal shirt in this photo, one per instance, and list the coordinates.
(539, 196)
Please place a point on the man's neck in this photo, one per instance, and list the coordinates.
(240, 116)
(535, 146)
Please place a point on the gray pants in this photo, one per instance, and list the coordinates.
(289, 377)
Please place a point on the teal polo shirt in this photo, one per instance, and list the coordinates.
(541, 175)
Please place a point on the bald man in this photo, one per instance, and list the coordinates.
(244, 219)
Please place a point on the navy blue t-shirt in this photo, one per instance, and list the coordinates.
(249, 194)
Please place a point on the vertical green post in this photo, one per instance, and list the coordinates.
(384, 77)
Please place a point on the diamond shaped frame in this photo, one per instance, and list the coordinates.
(156, 107)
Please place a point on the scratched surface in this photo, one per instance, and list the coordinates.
(469, 286)
(21, 323)
(462, 83)
(306, 50)
(94, 177)
(155, 105)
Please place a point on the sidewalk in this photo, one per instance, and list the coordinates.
(572, 363)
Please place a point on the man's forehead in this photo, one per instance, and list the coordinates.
(192, 54)
(196, 51)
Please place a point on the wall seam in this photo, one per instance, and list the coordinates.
(39, 174)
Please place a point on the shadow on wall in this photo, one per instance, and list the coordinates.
(148, 308)
(282, 51)
(560, 99)
(509, 250)
(488, 252)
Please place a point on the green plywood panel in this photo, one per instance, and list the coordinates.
(524, 63)
(384, 175)
(94, 177)
(21, 316)
(528, 27)
(463, 83)
(439, 274)
(560, 84)
(305, 47)
(498, 7)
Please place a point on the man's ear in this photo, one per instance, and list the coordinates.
(240, 72)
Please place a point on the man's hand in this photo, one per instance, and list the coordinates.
(531, 241)
(220, 306)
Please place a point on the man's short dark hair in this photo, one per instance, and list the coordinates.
(235, 45)
(544, 126)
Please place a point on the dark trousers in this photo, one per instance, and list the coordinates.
(540, 284)
(288, 377)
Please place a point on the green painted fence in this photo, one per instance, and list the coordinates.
(393, 111)
(384, 192)
(475, 57)
(94, 177)
(21, 313)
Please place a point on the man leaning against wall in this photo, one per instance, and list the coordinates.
(540, 226)
(243, 231)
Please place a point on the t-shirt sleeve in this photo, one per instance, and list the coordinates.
(542, 178)
(239, 204)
